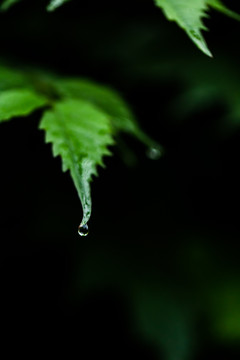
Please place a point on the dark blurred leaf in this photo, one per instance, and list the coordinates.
(12, 78)
(223, 309)
(165, 321)
(6, 4)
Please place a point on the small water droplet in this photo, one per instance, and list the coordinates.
(83, 230)
(154, 153)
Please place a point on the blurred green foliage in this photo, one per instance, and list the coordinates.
(164, 235)
(81, 124)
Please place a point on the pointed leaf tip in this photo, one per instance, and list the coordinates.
(189, 14)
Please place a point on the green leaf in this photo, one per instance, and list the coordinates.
(54, 4)
(80, 134)
(19, 102)
(109, 101)
(189, 14)
(81, 123)
(7, 4)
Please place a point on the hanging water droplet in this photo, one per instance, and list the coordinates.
(83, 230)
(154, 153)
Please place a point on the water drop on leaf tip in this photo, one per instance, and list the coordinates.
(83, 230)
(154, 153)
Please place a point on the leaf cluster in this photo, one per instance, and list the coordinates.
(80, 118)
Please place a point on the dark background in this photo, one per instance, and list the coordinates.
(158, 275)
